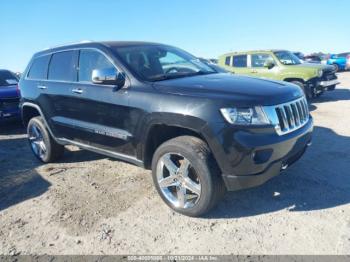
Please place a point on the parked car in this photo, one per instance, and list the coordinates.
(347, 56)
(156, 106)
(300, 55)
(315, 59)
(340, 62)
(282, 65)
(9, 95)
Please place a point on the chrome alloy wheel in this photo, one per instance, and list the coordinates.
(36, 141)
(178, 181)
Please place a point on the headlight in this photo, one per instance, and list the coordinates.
(319, 73)
(245, 116)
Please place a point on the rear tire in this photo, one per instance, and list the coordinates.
(44, 147)
(201, 183)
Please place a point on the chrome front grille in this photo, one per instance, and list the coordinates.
(289, 116)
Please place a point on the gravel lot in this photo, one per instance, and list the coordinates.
(90, 204)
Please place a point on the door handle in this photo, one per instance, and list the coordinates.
(254, 71)
(77, 90)
(42, 87)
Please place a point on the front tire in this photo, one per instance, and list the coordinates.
(186, 176)
(44, 147)
(331, 88)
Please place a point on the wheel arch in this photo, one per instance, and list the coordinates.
(30, 110)
(159, 133)
(339, 66)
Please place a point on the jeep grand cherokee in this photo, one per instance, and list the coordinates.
(156, 106)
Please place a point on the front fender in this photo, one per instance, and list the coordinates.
(304, 75)
(171, 120)
(159, 127)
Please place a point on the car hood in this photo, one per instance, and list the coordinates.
(314, 66)
(8, 91)
(242, 89)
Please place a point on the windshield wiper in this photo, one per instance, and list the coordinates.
(174, 76)
(200, 72)
(165, 77)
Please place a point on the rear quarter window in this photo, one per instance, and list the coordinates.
(239, 61)
(38, 69)
(63, 66)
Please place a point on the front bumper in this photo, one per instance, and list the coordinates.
(319, 85)
(329, 83)
(255, 157)
(233, 182)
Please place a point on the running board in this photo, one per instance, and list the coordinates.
(109, 153)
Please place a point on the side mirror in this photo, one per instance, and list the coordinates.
(269, 64)
(108, 76)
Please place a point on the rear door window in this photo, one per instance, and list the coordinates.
(63, 66)
(90, 60)
(239, 61)
(38, 70)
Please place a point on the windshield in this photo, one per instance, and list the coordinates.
(7, 78)
(156, 63)
(287, 58)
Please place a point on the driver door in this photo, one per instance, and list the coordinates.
(98, 114)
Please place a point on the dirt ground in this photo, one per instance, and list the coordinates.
(90, 204)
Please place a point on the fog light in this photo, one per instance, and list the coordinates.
(262, 156)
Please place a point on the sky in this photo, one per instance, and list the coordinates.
(205, 28)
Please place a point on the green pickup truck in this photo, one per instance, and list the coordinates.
(282, 65)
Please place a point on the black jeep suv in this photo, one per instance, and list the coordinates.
(156, 106)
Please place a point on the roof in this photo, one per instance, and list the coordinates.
(252, 51)
(81, 44)
(126, 43)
